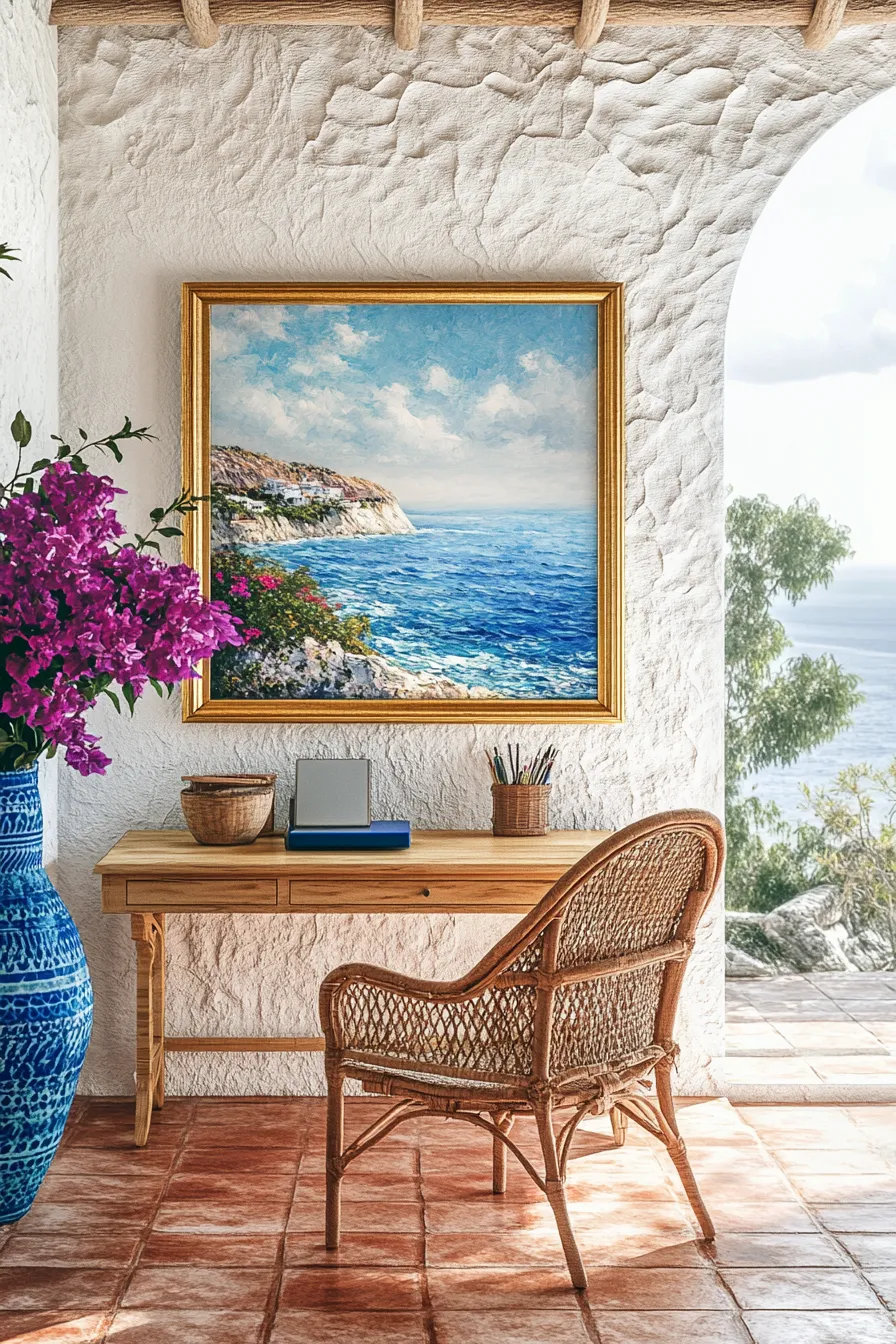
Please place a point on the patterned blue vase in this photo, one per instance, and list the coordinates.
(46, 1002)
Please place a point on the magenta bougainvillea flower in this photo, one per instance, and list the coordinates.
(82, 612)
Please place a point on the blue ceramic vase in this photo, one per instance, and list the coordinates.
(46, 1001)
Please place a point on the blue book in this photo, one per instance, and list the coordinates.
(378, 835)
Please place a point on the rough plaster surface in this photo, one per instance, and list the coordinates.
(326, 154)
(28, 221)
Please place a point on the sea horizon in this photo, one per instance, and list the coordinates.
(854, 620)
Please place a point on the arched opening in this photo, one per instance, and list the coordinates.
(811, 623)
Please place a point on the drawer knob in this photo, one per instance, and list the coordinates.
(426, 891)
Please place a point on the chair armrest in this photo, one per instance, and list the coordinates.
(466, 1023)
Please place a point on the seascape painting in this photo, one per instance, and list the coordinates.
(402, 502)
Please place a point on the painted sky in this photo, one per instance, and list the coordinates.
(448, 405)
(811, 352)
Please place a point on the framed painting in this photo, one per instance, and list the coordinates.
(412, 499)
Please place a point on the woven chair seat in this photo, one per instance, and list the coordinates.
(618, 1077)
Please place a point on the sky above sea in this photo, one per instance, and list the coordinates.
(447, 405)
(810, 387)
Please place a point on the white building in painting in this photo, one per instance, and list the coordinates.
(248, 505)
(306, 492)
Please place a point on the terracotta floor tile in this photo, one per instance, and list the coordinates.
(540, 1247)
(883, 1281)
(670, 1327)
(799, 1290)
(266, 1187)
(798, 1162)
(871, 1251)
(758, 1250)
(196, 1248)
(820, 1327)
(98, 1250)
(355, 1248)
(351, 1289)
(664, 1217)
(130, 1190)
(38, 1289)
(397, 1162)
(510, 1327)
(219, 1289)
(363, 1216)
(396, 1187)
(245, 1136)
(656, 1290)
(50, 1327)
(163, 1326)
(259, 1114)
(121, 1139)
(771, 1217)
(116, 1162)
(86, 1217)
(848, 1189)
(244, 1216)
(518, 1290)
(857, 1217)
(349, 1327)
(237, 1161)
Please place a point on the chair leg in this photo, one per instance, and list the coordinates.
(677, 1151)
(556, 1193)
(504, 1121)
(619, 1121)
(335, 1131)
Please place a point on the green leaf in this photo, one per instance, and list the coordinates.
(20, 430)
(157, 686)
(40, 465)
(130, 695)
(170, 532)
(83, 433)
(113, 697)
(157, 514)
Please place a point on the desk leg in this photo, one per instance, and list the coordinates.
(148, 933)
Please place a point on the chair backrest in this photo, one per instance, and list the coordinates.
(604, 952)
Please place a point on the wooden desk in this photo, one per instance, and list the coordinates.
(149, 874)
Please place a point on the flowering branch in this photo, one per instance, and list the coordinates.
(83, 611)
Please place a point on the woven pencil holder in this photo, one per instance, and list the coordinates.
(520, 809)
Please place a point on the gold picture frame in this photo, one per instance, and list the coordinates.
(607, 706)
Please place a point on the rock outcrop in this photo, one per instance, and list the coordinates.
(365, 519)
(814, 932)
(318, 671)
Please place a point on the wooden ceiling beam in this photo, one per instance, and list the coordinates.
(815, 19)
(408, 23)
(197, 17)
(591, 22)
(827, 19)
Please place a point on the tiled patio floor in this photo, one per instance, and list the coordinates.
(213, 1233)
(833, 1037)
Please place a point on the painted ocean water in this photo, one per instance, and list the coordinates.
(501, 599)
(855, 621)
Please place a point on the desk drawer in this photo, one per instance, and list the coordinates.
(363, 895)
(203, 895)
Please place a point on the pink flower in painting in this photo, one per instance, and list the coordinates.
(269, 581)
(251, 632)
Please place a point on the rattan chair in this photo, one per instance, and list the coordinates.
(573, 1009)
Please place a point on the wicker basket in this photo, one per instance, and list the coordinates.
(520, 809)
(227, 816)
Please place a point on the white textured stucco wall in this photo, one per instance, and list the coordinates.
(328, 155)
(28, 221)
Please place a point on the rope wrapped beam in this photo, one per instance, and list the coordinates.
(819, 20)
